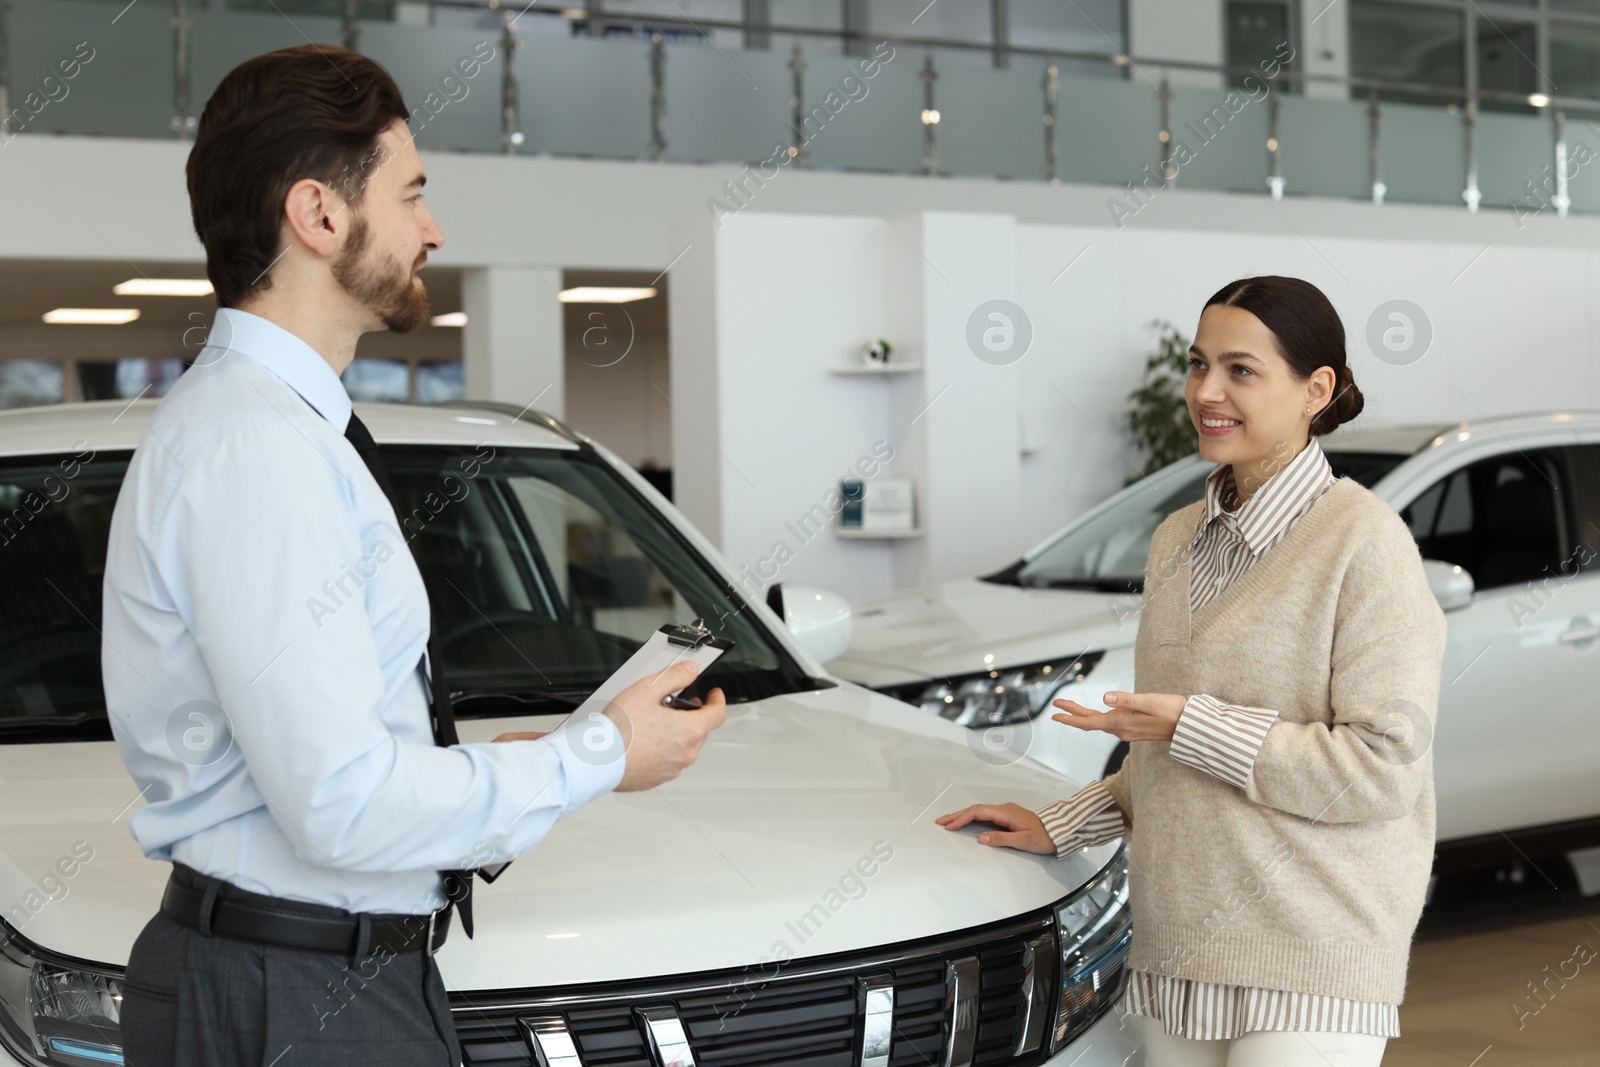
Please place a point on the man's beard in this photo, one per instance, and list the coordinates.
(384, 287)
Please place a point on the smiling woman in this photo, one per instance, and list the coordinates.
(1286, 626)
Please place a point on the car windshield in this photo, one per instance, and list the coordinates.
(546, 570)
(1107, 552)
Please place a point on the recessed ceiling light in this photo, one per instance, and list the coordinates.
(1538, 100)
(163, 287)
(604, 294)
(449, 318)
(92, 316)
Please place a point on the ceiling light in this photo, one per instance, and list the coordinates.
(449, 318)
(163, 287)
(92, 316)
(604, 294)
(1539, 100)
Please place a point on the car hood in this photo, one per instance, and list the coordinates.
(755, 853)
(953, 628)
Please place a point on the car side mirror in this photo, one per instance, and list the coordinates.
(1452, 586)
(818, 619)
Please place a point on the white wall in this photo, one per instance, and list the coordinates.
(785, 298)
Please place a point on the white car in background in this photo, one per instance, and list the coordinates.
(788, 900)
(1506, 513)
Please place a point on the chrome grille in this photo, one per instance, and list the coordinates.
(812, 1013)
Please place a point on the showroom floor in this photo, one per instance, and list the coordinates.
(1468, 1001)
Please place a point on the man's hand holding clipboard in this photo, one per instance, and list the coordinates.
(661, 735)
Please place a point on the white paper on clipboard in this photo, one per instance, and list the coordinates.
(667, 646)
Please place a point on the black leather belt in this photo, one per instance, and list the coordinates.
(219, 908)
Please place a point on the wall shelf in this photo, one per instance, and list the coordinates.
(857, 533)
(877, 369)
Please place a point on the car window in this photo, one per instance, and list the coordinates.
(1583, 473)
(545, 571)
(1505, 520)
(1108, 552)
(55, 515)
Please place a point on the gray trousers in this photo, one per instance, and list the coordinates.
(190, 998)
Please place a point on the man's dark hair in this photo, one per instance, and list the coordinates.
(313, 111)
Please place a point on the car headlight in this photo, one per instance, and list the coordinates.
(56, 1012)
(997, 697)
(1093, 929)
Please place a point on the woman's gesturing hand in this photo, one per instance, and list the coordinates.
(1133, 716)
(1023, 829)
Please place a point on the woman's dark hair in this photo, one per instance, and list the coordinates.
(1308, 332)
(313, 111)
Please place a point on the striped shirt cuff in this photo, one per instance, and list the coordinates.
(1219, 738)
(1088, 817)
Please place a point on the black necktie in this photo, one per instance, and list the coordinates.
(457, 884)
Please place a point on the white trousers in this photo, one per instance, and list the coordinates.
(1264, 1048)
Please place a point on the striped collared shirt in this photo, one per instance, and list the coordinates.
(1223, 739)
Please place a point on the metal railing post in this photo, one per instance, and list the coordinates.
(1562, 199)
(1000, 32)
(5, 64)
(1164, 94)
(1469, 144)
(182, 123)
(510, 116)
(1274, 174)
(797, 89)
(1052, 88)
(1374, 174)
(658, 98)
(350, 29)
(930, 119)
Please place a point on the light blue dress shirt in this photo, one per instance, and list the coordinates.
(285, 749)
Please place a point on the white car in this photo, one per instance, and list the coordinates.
(788, 900)
(1506, 513)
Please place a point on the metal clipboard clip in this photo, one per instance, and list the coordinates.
(690, 634)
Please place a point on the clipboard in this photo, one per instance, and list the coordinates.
(666, 647)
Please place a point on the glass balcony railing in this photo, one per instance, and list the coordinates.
(540, 82)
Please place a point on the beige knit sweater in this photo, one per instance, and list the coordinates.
(1312, 877)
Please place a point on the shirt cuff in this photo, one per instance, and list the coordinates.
(592, 757)
(1088, 817)
(1219, 738)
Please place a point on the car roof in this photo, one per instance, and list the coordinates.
(118, 424)
(1412, 437)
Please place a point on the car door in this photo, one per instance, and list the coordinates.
(1517, 729)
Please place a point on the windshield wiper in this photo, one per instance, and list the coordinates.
(530, 701)
(1098, 585)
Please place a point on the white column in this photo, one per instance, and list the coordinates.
(1325, 46)
(957, 424)
(1178, 29)
(695, 376)
(512, 344)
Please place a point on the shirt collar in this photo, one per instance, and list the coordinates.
(1281, 499)
(285, 356)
